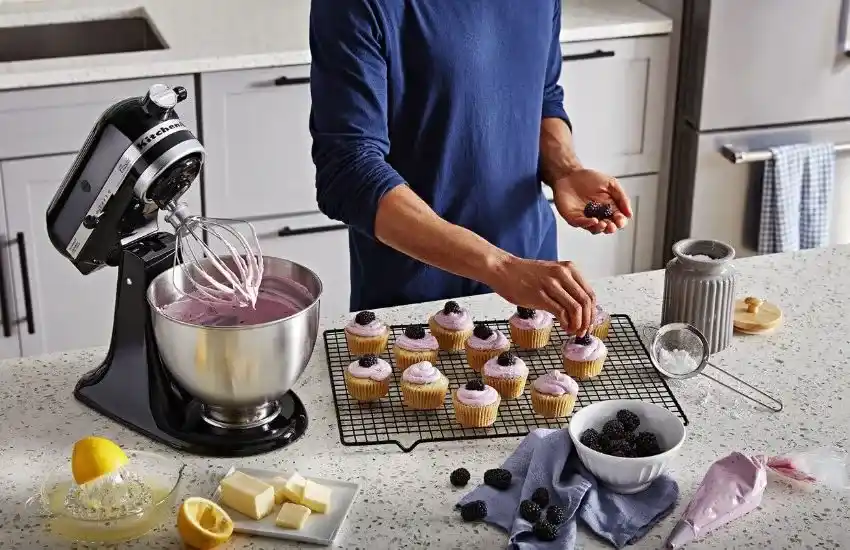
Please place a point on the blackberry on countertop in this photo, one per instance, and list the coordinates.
(556, 515)
(541, 497)
(590, 438)
(628, 419)
(525, 313)
(451, 307)
(459, 477)
(482, 331)
(646, 444)
(583, 340)
(369, 360)
(474, 511)
(506, 359)
(614, 429)
(364, 318)
(545, 531)
(529, 511)
(498, 478)
(415, 332)
(475, 385)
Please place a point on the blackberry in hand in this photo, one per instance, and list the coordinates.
(590, 438)
(591, 209)
(451, 307)
(614, 429)
(525, 313)
(459, 477)
(556, 515)
(629, 420)
(506, 359)
(545, 531)
(529, 511)
(474, 511)
(482, 331)
(475, 385)
(541, 497)
(605, 212)
(369, 360)
(498, 478)
(415, 332)
(364, 318)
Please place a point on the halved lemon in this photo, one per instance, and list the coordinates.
(203, 524)
(94, 457)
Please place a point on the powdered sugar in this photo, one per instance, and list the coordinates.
(677, 361)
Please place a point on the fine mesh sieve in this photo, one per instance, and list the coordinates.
(680, 351)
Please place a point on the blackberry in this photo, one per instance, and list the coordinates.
(545, 531)
(541, 497)
(475, 385)
(646, 444)
(614, 429)
(525, 313)
(629, 420)
(506, 359)
(474, 511)
(605, 443)
(364, 317)
(621, 447)
(590, 438)
(583, 340)
(415, 332)
(451, 307)
(605, 212)
(482, 331)
(598, 210)
(369, 360)
(459, 477)
(498, 478)
(556, 515)
(529, 511)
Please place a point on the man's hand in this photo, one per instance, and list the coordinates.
(556, 287)
(572, 193)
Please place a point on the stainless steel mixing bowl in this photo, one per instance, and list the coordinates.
(237, 367)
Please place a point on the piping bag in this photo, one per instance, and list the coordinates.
(735, 484)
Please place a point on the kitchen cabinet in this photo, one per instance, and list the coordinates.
(255, 130)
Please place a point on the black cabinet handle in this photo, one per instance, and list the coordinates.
(598, 54)
(25, 282)
(4, 300)
(287, 231)
(288, 81)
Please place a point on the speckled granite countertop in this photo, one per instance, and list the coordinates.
(220, 35)
(406, 499)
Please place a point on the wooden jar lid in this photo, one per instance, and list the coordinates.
(756, 316)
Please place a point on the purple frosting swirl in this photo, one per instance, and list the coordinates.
(421, 373)
(379, 372)
(555, 383)
(493, 369)
(454, 321)
(475, 398)
(541, 319)
(375, 328)
(497, 340)
(429, 343)
(591, 352)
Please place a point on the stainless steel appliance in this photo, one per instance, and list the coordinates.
(752, 75)
(139, 159)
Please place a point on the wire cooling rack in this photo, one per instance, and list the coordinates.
(628, 374)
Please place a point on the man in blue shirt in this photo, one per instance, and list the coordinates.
(434, 123)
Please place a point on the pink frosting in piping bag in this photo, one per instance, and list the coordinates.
(454, 321)
(590, 352)
(497, 340)
(475, 398)
(541, 319)
(555, 383)
(429, 343)
(421, 373)
(379, 372)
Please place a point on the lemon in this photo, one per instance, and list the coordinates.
(94, 457)
(203, 524)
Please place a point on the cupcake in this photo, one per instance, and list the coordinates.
(507, 374)
(476, 404)
(366, 334)
(368, 378)
(452, 326)
(423, 387)
(601, 323)
(484, 344)
(584, 356)
(414, 346)
(553, 395)
(530, 328)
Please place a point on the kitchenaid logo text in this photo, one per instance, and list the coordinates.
(158, 132)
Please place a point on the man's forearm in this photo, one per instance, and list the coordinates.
(557, 155)
(406, 223)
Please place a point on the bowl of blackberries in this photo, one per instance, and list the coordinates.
(626, 443)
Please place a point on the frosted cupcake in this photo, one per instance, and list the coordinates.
(601, 323)
(452, 326)
(507, 374)
(368, 378)
(530, 328)
(484, 344)
(366, 334)
(476, 404)
(414, 346)
(584, 356)
(553, 395)
(423, 387)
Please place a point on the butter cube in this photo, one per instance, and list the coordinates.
(292, 516)
(316, 497)
(291, 489)
(247, 495)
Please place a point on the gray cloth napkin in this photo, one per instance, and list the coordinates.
(544, 458)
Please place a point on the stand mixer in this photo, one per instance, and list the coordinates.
(208, 390)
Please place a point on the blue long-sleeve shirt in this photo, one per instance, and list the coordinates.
(446, 96)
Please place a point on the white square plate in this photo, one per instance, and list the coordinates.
(319, 529)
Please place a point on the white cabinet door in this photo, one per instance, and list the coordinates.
(10, 343)
(626, 251)
(255, 130)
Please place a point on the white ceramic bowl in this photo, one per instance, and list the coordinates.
(620, 474)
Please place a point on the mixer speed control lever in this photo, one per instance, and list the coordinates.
(161, 100)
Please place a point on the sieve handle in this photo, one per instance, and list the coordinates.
(772, 403)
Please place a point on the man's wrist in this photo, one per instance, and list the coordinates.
(496, 265)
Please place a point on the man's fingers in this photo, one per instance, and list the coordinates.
(582, 298)
(620, 197)
(571, 309)
(554, 308)
(619, 220)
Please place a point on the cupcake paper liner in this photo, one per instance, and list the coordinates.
(366, 389)
(530, 338)
(404, 357)
(425, 396)
(449, 340)
(477, 357)
(583, 370)
(601, 330)
(508, 388)
(360, 345)
(475, 417)
(552, 406)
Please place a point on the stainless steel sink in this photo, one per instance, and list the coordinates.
(103, 36)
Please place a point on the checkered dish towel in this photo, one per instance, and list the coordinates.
(796, 198)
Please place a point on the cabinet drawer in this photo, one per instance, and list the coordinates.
(615, 97)
(258, 142)
(47, 121)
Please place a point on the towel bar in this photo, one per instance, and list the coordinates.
(736, 155)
